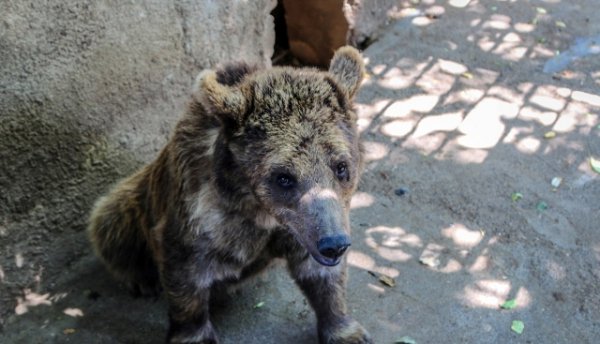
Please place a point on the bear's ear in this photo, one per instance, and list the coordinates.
(225, 102)
(348, 68)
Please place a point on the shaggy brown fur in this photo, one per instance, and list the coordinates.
(262, 165)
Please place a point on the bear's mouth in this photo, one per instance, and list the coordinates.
(313, 252)
(326, 261)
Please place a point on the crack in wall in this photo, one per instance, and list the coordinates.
(184, 22)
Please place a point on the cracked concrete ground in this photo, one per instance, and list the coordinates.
(455, 111)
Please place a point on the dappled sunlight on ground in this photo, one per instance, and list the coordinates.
(73, 312)
(492, 293)
(375, 150)
(388, 242)
(479, 115)
(363, 261)
(32, 299)
(462, 236)
(479, 108)
(361, 200)
(463, 119)
(485, 124)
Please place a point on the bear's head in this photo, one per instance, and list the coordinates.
(289, 140)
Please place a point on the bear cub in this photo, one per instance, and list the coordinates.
(262, 165)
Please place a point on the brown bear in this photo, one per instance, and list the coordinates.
(262, 165)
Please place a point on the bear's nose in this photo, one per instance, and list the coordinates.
(333, 246)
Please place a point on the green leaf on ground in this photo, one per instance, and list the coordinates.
(509, 304)
(541, 10)
(517, 326)
(541, 206)
(259, 305)
(516, 196)
(467, 75)
(550, 135)
(405, 340)
(595, 164)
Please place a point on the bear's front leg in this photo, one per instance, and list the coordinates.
(189, 321)
(325, 289)
(188, 306)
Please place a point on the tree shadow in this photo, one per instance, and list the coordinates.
(462, 129)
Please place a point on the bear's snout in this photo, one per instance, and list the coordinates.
(333, 247)
(322, 230)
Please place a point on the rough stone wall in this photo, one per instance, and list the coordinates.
(89, 91)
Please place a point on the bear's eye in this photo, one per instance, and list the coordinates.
(285, 181)
(342, 172)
